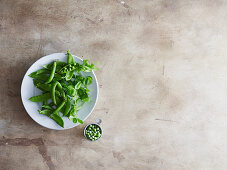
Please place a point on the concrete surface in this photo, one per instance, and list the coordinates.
(163, 83)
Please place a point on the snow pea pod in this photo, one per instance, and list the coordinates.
(70, 58)
(42, 77)
(41, 71)
(41, 86)
(52, 73)
(57, 119)
(40, 98)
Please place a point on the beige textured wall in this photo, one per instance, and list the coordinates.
(163, 83)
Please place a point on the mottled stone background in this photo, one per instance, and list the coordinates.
(163, 83)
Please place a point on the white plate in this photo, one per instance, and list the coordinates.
(28, 90)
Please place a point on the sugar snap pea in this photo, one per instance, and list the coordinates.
(60, 64)
(41, 86)
(57, 119)
(41, 71)
(52, 73)
(40, 98)
(47, 107)
(70, 58)
(46, 112)
(67, 107)
(59, 107)
(54, 89)
(42, 77)
(71, 67)
(69, 75)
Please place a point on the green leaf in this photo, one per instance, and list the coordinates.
(45, 112)
(74, 120)
(78, 85)
(69, 75)
(86, 99)
(80, 121)
(87, 67)
(57, 119)
(88, 80)
(82, 93)
(79, 107)
(71, 91)
(40, 98)
(72, 113)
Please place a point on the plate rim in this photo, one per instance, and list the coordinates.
(97, 93)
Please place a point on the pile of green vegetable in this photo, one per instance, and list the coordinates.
(64, 88)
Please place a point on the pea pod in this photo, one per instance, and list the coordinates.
(62, 109)
(47, 107)
(57, 77)
(41, 86)
(41, 71)
(78, 85)
(70, 58)
(53, 91)
(67, 107)
(60, 64)
(59, 107)
(40, 98)
(87, 80)
(52, 73)
(69, 75)
(42, 77)
(57, 119)
(46, 112)
(71, 67)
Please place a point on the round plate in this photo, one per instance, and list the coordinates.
(29, 90)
